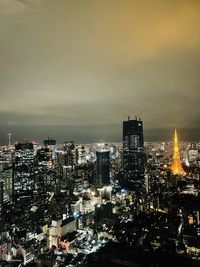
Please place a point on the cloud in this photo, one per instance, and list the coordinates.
(9, 7)
(92, 62)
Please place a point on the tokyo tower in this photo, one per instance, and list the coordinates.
(176, 167)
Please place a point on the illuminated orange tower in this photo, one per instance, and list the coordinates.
(176, 167)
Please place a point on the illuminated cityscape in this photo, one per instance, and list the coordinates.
(129, 203)
(99, 133)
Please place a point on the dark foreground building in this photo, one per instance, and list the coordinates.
(133, 153)
(103, 168)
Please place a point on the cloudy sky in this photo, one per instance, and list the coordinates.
(89, 62)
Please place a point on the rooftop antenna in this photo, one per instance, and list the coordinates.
(128, 117)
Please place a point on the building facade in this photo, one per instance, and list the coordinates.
(133, 153)
(102, 168)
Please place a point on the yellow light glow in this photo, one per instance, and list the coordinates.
(176, 167)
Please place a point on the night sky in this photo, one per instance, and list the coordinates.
(76, 64)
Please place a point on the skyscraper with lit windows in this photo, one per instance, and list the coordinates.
(133, 153)
(23, 168)
(102, 168)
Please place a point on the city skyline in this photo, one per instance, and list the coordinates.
(87, 134)
(99, 133)
(69, 65)
(116, 201)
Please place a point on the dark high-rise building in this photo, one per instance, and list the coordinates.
(44, 156)
(6, 181)
(103, 168)
(51, 144)
(133, 153)
(70, 154)
(23, 168)
(6, 187)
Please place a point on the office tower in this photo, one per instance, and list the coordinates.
(66, 176)
(44, 156)
(193, 153)
(70, 155)
(67, 160)
(82, 155)
(51, 144)
(45, 177)
(6, 178)
(23, 168)
(176, 167)
(102, 168)
(6, 188)
(133, 153)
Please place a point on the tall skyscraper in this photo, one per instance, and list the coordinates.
(133, 153)
(23, 168)
(103, 168)
(193, 153)
(70, 154)
(176, 167)
(51, 144)
(6, 181)
(6, 188)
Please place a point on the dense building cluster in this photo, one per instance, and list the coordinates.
(80, 205)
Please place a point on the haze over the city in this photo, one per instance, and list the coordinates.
(69, 64)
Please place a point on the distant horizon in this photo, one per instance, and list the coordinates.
(89, 133)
